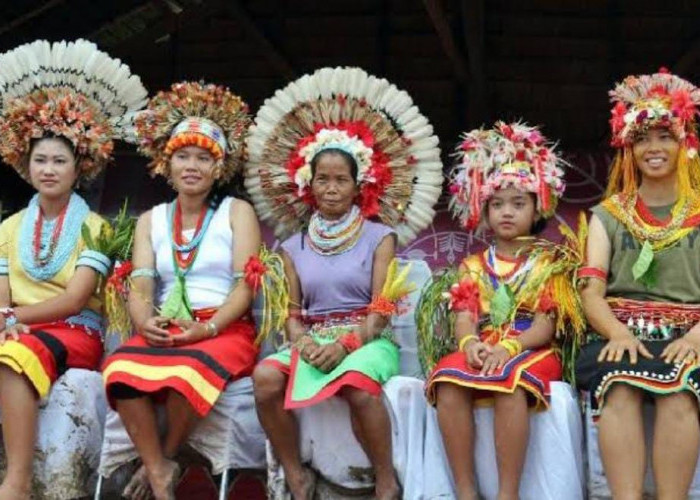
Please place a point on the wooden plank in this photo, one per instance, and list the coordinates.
(278, 60)
(436, 12)
(28, 16)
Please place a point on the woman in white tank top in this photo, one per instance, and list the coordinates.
(195, 333)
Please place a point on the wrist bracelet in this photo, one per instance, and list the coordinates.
(513, 346)
(9, 314)
(351, 342)
(212, 329)
(463, 341)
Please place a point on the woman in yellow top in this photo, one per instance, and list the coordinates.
(54, 136)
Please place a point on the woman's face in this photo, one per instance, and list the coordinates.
(511, 213)
(333, 185)
(52, 168)
(656, 153)
(192, 170)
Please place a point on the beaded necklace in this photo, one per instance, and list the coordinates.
(514, 278)
(644, 227)
(177, 304)
(48, 247)
(52, 242)
(332, 237)
(185, 252)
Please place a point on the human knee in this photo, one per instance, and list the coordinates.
(622, 398)
(677, 407)
(358, 399)
(268, 383)
(451, 397)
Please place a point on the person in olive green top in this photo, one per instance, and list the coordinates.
(641, 289)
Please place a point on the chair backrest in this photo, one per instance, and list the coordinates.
(404, 325)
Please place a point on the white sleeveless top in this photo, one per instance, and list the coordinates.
(211, 277)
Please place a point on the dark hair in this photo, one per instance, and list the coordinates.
(335, 151)
(49, 135)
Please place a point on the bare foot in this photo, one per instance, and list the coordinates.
(138, 488)
(390, 491)
(303, 488)
(164, 479)
(9, 491)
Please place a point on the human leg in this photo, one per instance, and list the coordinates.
(374, 427)
(281, 428)
(456, 421)
(511, 433)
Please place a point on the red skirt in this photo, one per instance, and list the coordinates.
(532, 370)
(198, 371)
(49, 350)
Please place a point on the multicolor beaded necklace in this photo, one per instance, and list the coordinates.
(177, 304)
(332, 237)
(52, 242)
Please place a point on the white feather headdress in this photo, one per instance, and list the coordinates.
(68, 89)
(399, 168)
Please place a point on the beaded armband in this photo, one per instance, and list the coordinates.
(588, 272)
(144, 272)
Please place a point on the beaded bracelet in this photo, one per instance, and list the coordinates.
(513, 346)
(351, 342)
(463, 341)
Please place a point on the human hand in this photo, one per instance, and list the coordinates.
(616, 347)
(495, 360)
(328, 356)
(154, 332)
(12, 333)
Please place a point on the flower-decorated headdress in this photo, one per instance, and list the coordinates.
(194, 114)
(642, 102)
(399, 172)
(67, 89)
(507, 155)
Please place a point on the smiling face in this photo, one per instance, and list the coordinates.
(511, 213)
(333, 185)
(655, 153)
(52, 167)
(192, 170)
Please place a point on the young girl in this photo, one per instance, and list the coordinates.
(506, 315)
(643, 289)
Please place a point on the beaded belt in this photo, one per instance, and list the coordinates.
(654, 321)
(335, 324)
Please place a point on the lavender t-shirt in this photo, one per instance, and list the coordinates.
(333, 283)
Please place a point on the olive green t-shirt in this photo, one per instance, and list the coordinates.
(677, 269)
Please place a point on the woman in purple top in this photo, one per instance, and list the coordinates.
(336, 149)
(339, 348)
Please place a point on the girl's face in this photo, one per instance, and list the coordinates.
(192, 170)
(511, 213)
(333, 185)
(656, 153)
(52, 167)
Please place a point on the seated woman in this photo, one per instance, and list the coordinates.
(51, 309)
(192, 314)
(642, 296)
(505, 302)
(341, 154)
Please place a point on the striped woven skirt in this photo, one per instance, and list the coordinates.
(49, 350)
(532, 370)
(199, 371)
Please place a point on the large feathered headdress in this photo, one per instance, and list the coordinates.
(67, 89)
(194, 114)
(507, 155)
(399, 172)
(642, 102)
